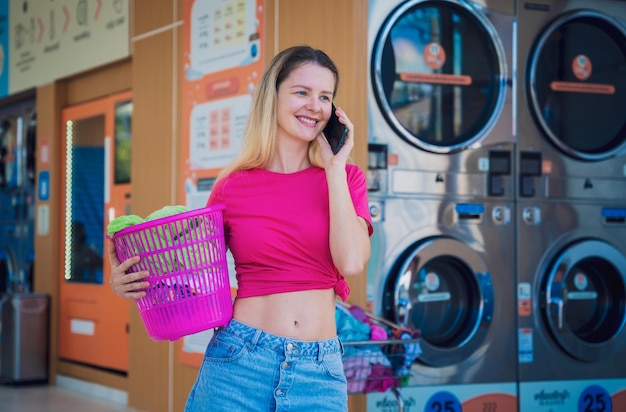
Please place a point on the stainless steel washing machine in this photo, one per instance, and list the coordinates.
(571, 305)
(441, 146)
(572, 91)
(445, 267)
(571, 166)
(440, 92)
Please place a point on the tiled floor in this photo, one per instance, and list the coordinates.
(47, 398)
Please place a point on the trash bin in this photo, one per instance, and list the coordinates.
(24, 329)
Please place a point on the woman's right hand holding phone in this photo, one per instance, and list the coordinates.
(341, 157)
(126, 285)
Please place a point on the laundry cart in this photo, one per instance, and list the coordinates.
(376, 366)
(380, 363)
(24, 331)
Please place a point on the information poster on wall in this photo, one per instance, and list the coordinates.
(223, 59)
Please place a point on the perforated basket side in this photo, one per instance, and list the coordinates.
(171, 244)
(175, 320)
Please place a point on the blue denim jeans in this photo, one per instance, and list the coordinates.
(247, 369)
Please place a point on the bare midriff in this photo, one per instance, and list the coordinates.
(304, 315)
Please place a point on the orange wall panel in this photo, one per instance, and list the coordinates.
(112, 78)
(154, 155)
(152, 15)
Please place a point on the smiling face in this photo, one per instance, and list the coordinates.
(304, 104)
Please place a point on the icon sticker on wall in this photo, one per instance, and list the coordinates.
(44, 185)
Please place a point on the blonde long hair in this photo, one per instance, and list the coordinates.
(259, 142)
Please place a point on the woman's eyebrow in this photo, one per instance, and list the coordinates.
(300, 86)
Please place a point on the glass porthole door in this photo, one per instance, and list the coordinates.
(439, 74)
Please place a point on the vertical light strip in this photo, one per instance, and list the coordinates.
(69, 143)
(108, 159)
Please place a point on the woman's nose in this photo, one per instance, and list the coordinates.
(314, 105)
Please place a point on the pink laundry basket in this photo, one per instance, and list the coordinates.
(186, 256)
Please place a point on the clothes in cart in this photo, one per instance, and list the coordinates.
(377, 353)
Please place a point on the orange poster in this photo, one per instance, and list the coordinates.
(223, 55)
(222, 62)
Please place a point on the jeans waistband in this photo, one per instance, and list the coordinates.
(281, 344)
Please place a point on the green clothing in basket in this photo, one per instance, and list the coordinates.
(122, 222)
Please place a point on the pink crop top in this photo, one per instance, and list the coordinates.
(277, 228)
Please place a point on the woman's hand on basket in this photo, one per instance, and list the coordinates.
(126, 285)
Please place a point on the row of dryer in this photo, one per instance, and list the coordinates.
(497, 184)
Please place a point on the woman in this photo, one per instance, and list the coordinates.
(297, 222)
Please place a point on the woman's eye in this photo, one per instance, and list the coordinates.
(301, 93)
(326, 98)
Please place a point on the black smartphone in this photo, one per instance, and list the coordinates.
(335, 132)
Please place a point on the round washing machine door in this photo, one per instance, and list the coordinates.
(585, 298)
(442, 287)
(576, 79)
(439, 74)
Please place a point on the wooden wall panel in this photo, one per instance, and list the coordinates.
(183, 376)
(155, 152)
(109, 79)
(157, 381)
(46, 277)
(152, 15)
(154, 157)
